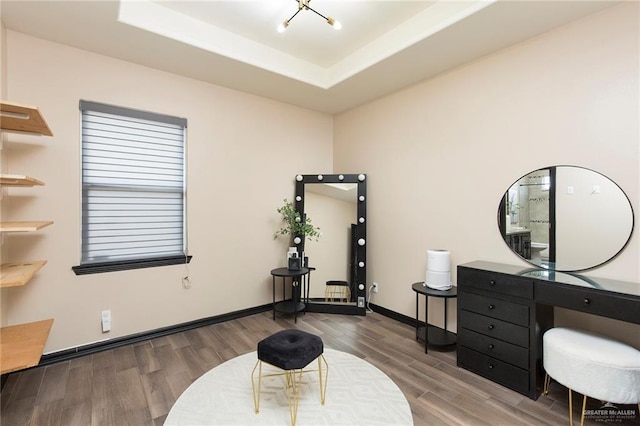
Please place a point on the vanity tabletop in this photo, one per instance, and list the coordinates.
(604, 284)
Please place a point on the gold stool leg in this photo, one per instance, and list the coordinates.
(256, 396)
(584, 406)
(547, 383)
(570, 408)
(323, 388)
(293, 392)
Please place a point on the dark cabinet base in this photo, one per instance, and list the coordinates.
(504, 311)
(493, 369)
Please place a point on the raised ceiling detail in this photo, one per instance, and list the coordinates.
(382, 47)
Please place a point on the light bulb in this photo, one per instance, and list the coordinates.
(335, 24)
(283, 26)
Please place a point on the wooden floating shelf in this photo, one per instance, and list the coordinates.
(28, 226)
(17, 274)
(23, 118)
(21, 345)
(19, 180)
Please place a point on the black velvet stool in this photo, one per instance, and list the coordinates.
(291, 351)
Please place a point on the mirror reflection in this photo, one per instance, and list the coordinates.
(333, 209)
(565, 218)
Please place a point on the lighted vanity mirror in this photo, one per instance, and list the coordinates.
(336, 203)
(565, 218)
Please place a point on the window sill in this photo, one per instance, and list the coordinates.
(98, 268)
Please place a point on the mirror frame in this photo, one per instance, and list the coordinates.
(361, 236)
(552, 170)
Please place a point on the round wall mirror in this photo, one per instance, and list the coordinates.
(565, 218)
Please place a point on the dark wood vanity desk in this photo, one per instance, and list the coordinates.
(503, 311)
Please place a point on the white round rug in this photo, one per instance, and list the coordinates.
(357, 394)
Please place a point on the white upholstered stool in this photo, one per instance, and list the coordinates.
(592, 365)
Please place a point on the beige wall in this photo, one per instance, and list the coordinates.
(243, 154)
(439, 155)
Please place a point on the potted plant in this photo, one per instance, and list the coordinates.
(294, 224)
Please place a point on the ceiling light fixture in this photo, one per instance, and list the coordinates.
(304, 4)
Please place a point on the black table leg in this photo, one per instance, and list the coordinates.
(417, 318)
(426, 322)
(273, 280)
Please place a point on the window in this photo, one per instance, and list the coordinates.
(133, 189)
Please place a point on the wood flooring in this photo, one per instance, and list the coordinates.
(137, 384)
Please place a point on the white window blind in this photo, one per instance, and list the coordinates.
(133, 184)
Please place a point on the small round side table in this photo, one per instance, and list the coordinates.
(431, 334)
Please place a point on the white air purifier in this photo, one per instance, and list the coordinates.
(438, 269)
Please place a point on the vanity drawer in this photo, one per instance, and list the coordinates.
(595, 302)
(493, 369)
(512, 312)
(495, 282)
(506, 331)
(507, 352)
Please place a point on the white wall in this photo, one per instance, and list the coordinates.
(440, 155)
(243, 154)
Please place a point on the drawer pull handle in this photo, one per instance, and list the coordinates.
(491, 346)
(586, 301)
(490, 327)
(490, 366)
(492, 282)
(490, 307)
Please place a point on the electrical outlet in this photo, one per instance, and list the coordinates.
(375, 287)
(106, 321)
(360, 302)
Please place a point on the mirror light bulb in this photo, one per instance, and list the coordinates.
(361, 198)
(361, 242)
(360, 177)
(297, 240)
(341, 177)
(361, 287)
(299, 178)
(361, 220)
(361, 264)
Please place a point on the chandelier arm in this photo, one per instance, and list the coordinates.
(294, 15)
(317, 13)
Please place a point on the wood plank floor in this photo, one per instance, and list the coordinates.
(138, 384)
